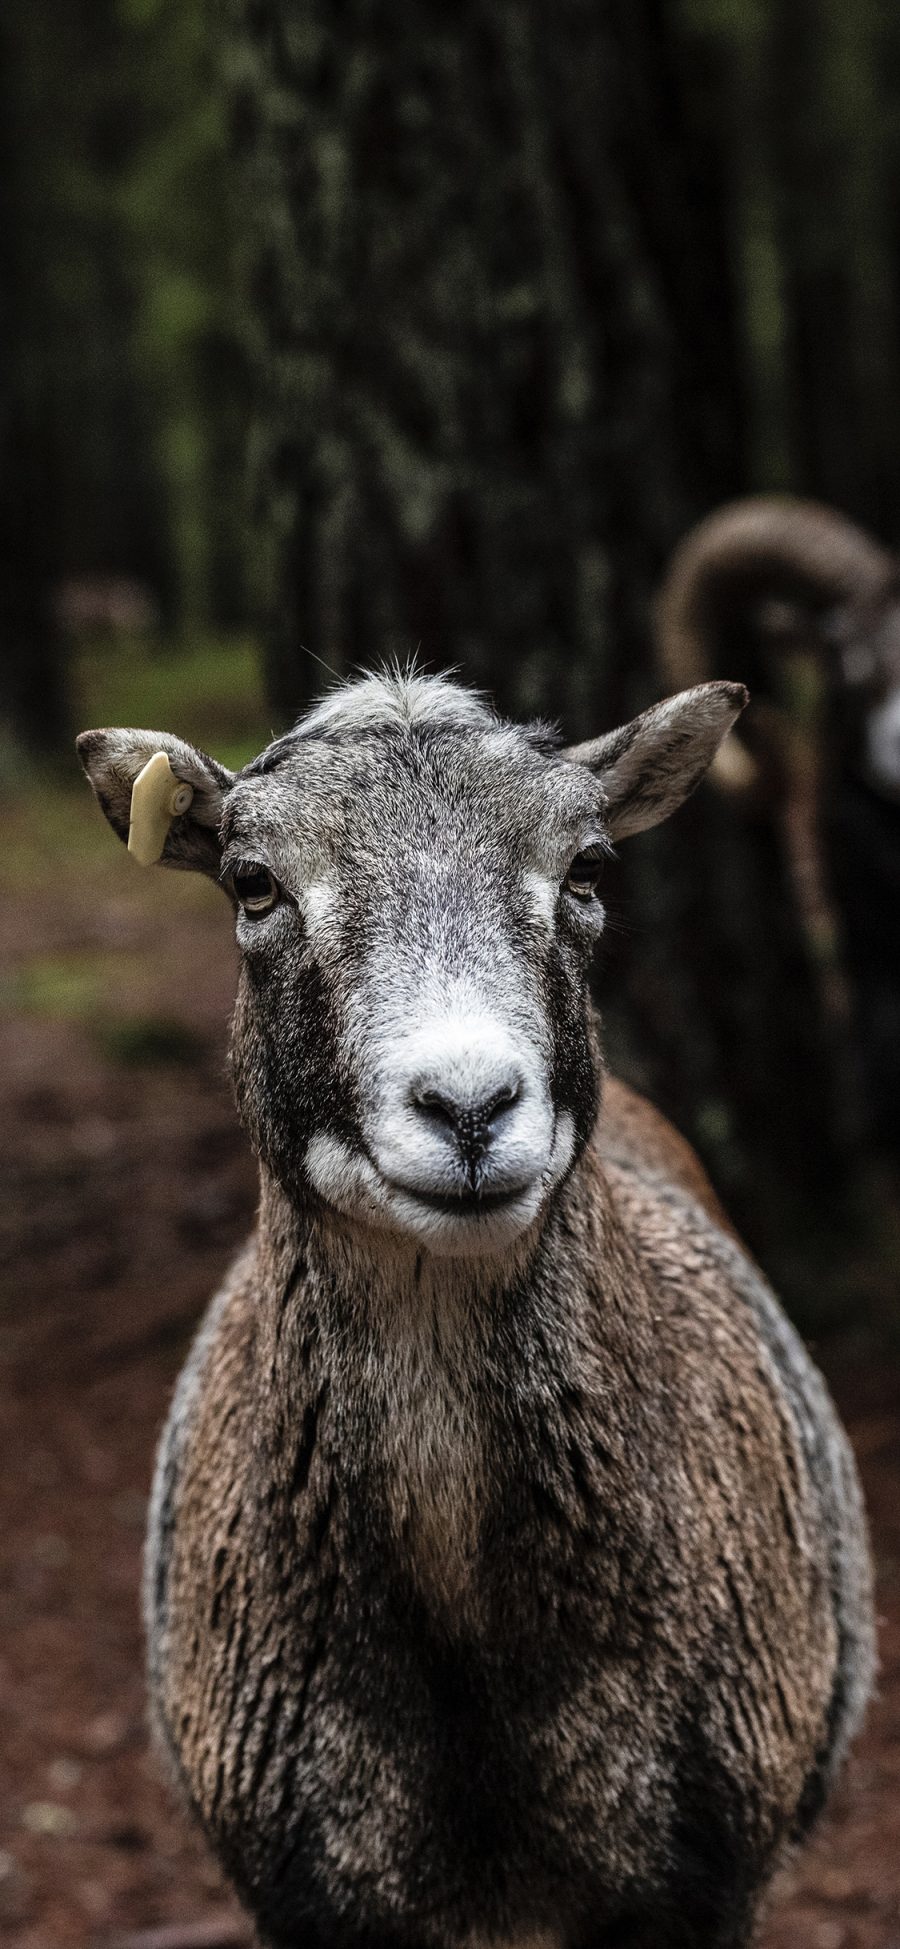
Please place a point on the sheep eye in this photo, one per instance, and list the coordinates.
(255, 888)
(583, 875)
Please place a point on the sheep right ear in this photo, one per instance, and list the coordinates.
(649, 767)
(162, 796)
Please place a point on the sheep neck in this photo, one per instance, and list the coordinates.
(444, 1375)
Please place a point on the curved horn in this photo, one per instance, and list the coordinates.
(799, 551)
(763, 547)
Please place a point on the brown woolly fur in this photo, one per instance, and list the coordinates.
(507, 1580)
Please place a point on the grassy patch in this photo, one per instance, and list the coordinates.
(78, 988)
(60, 987)
(209, 691)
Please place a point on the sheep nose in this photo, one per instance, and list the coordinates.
(470, 1121)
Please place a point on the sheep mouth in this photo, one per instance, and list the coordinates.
(463, 1204)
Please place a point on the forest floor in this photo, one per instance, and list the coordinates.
(125, 1185)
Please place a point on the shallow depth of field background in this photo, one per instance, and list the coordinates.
(331, 332)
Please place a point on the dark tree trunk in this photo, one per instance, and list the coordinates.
(33, 701)
(830, 75)
(77, 495)
(33, 704)
(495, 332)
(492, 304)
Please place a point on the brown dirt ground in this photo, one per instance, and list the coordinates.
(125, 1184)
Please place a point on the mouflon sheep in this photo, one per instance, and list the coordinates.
(507, 1579)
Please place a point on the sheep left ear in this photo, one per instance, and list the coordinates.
(650, 766)
(162, 796)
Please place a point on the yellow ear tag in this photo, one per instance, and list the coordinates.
(157, 797)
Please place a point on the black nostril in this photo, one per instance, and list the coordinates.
(472, 1125)
(442, 1108)
(453, 1111)
(510, 1093)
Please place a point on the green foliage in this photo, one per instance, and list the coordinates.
(521, 293)
(175, 208)
(207, 689)
(58, 852)
(122, 349)
(64, 987)
(810, 110)
(209, 692)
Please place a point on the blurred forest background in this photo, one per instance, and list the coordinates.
(333, 330)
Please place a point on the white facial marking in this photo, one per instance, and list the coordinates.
(351, 1184)
(460, 1064)
(317, 903)
(543, 894)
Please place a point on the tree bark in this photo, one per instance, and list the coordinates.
(33, 704)
(493, 334)
(492, 305)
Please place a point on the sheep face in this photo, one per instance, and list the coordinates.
(412, 1033)
(417, 889)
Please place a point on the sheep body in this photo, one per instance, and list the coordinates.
(580, 1671)
(507, 1583)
